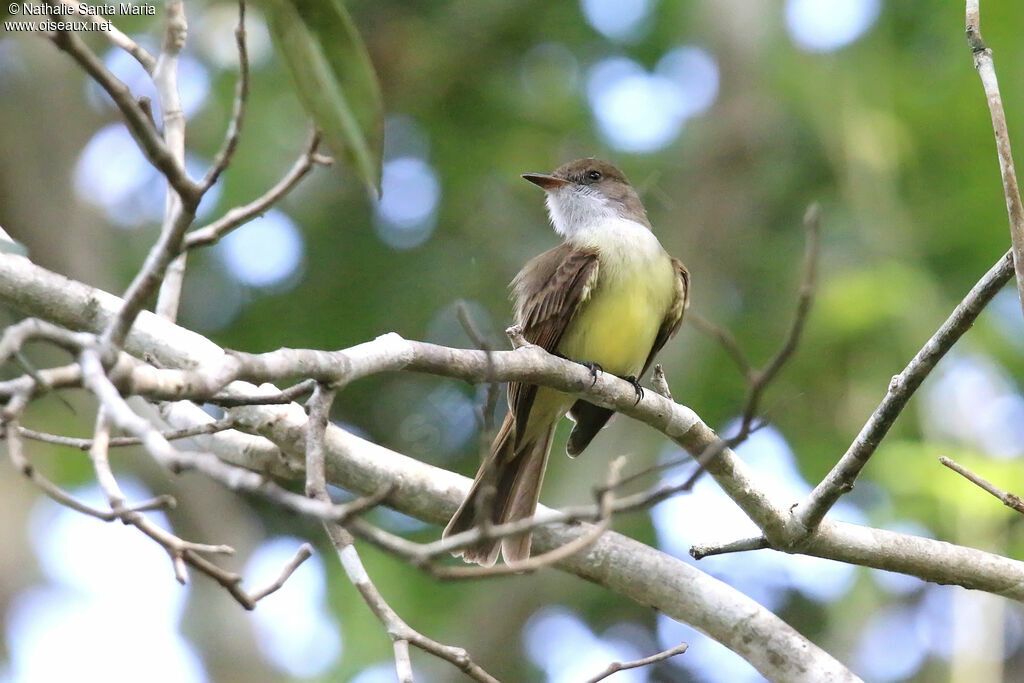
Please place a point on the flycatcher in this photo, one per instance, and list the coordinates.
(608, 297)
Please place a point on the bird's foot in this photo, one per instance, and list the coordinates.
(594, 368)
(636, 387)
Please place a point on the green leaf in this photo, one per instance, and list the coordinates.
(334, 79)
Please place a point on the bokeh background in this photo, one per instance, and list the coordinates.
(730, 116)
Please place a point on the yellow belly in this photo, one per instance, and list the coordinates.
(617, 326)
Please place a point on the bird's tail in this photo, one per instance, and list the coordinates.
(516, 474)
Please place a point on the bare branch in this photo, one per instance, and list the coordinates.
(227, 150)
(699, 552)
(403, 664)
(233, 477)
(1010, 500)
(181, 552)
(149, 278)
(615, 667)
(428, 493)
(725, 338)
(16, 453)
(319, 415)
(241, 215)
(120, 441)
(139, 124)
(812, 228)
(116, 37)
(758, 380)
(812, 509)
(987, 71)
(304, 552)
(101, 463)
(401, 634)
(16, 336)
(171, 276)
(292, 393)
(493, 386)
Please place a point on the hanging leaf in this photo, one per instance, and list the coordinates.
(334, 79)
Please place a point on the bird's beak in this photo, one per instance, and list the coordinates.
(546, 182)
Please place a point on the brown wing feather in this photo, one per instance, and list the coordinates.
(590, 419)
(674, 317)
(547, 293)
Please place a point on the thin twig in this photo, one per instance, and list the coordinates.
(240, 215)
(114, 407)
(101, 463)
(171, 276)
(402, 635)
(478, 339)
(139, 125)
(482, 511)
(121, 441)
(805, 298)
(292, 393)
(181, 552)
(725, 338)
(615, 667)
(115, 36)
(403, 663)
(235, 478)
(758, 380)
(699, 552)
(1010, 500)
(304, 552)
(16, 336)
(809, 513)
(227, 150)
(987, 71)
(149, 278)
(16, 453)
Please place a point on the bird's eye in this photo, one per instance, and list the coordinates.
(594, 175)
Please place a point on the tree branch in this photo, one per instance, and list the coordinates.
(171, 276)
(809, 513)
(636, 571)
(227, 150)
(139, 124)
(116, 37)
(241, 215)
(615, 667)
(1011, 191)
(120, 441)
(34, 290)
(1010, 500)
(400, 633)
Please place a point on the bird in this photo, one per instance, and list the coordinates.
(609, 297)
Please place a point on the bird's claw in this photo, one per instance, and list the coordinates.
(636, 387)
(594, 368)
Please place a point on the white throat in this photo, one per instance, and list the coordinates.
(578, 209)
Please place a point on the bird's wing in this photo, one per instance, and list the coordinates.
(590, 419)
(674, 316)
(548, 291)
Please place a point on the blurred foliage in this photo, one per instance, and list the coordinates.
(891, 134)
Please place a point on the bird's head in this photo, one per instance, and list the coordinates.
(587, 192)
